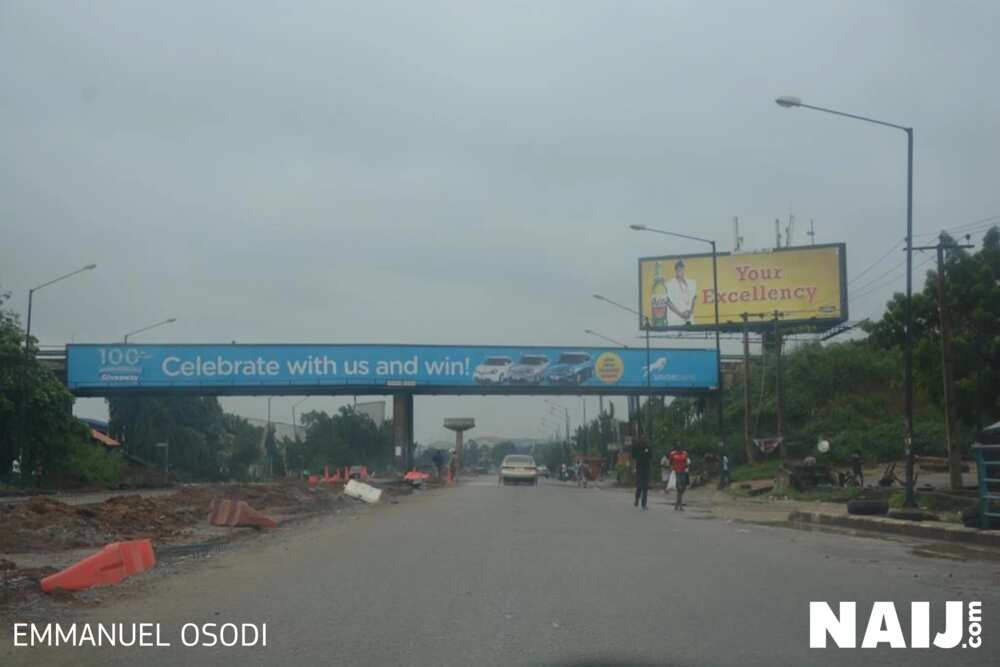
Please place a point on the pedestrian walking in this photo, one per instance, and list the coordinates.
(643, 458)
(581, 473)
(453, 467)
(679, 463)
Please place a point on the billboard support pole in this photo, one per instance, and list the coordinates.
(649, 391)
(718, 349)
(746, 387)
(779, 393)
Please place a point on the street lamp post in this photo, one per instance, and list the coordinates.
(591, 332)
(151, 326)
(715, 299)
(31, 294)
(788, 102)
(565, 413)
(24, 435)
(649, 385)
(295, 423)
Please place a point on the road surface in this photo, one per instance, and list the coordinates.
(487, 575)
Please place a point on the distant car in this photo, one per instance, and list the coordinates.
(518, 468)
(529, 369)
(571, 368)
(543, 471)
(493, 370)
(482, 469)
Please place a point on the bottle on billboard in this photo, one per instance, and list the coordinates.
(658, 298)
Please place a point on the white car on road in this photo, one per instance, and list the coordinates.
(493, 370)
(518, 468)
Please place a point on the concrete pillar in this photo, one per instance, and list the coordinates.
(459, 425)
(402, 429)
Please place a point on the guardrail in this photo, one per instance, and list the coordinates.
(985, 497)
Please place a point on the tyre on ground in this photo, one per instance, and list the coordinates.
(868, 507)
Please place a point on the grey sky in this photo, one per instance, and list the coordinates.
(460, 172)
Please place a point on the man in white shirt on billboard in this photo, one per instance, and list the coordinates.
(681, 295)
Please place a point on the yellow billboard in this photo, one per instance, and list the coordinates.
(804, 285)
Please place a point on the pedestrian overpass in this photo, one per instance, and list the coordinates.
(402, 371)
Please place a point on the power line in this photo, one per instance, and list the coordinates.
(875, 263)
(882, 275)
(965, 227)
(873, 288)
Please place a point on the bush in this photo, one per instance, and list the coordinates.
(746, 473)
(90, 465)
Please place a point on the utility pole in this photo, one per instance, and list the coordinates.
(954, 452)
(649, 390)
(811, 232)
(746, 387)
(779, 393)
(777, 234)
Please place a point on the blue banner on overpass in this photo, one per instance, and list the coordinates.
(301, 369)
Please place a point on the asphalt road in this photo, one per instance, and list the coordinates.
(487, 575)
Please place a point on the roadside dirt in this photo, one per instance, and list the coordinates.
(42, 535)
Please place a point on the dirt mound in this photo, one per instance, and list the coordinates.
(46, 524)
(20, 583)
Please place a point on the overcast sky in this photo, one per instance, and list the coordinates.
(461, 172)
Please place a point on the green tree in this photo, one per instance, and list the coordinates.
(36, 412)
(972, 298)
(345, 438)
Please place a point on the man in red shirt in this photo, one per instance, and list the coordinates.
(679, 461)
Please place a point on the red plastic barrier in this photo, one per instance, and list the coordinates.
(108, 566)
(228, 513)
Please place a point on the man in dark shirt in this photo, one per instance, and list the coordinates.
(642, 457)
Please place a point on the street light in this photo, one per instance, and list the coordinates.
(715, 300)
(789, 101)
(600, 335)
(565, 413)
(616, 304)
(31, 294)
(151, 326)
(649, 383)
(295, 423)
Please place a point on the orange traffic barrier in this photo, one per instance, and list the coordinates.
(229, 513)
(108, 566)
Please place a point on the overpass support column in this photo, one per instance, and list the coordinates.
(402, 429)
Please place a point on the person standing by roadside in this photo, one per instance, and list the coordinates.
(438, 460)
(723, 471)
(643, 458)
(679, 462)
(857, 468)
(665, 473)
(453, 467)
